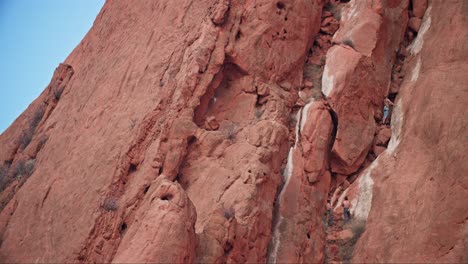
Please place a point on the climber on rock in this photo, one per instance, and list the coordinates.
(346, 213)
(386, 110)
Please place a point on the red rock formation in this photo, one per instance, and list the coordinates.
(356, 76)
(130, 115)
(418, 200)
(298, 234)
(164, 136)
(167, 213)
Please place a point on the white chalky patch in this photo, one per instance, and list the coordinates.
(418, 43)
(397, 124)
(327, 81)
(362, 204)
(416, 70)
(288, 169)
(351, 12)
(276, 232)
(276, 241)
(298, 117)
(305, 112)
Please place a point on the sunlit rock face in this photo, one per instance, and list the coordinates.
(214, 131)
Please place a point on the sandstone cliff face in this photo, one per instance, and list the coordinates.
(418, 199)
(213, 131)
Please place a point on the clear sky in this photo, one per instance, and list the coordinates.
(35, 36)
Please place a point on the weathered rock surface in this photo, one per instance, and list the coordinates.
(135, 111)
(213, 131)
(419, 7)
(168, 213)
(298, 235)
(414, 23)
(356, 75)
(417, 205)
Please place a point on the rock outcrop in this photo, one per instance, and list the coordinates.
(215, 131)
(168, 213)
(417, 199)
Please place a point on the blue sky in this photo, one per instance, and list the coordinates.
(35, 36)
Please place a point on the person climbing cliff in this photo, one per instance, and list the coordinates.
(346, 213)
(386, 111)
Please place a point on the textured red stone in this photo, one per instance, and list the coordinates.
(214, 131)
(414, 23)
(418, 211)
(419, 7)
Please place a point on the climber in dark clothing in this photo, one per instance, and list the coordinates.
(346, 214)
(386, 111)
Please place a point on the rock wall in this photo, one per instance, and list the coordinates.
(213, 131)
(196, 92)
(417, 205)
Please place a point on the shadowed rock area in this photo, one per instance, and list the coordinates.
(215, 131)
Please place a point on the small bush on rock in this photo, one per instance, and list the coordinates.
(3, 177)
(110, 204)
(229, 212)
(23, 169)
(347, 248)
(258, 113)
(58, 93)
(231, 133)
(28, 133)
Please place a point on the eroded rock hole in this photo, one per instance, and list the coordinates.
(123, 227)
(334, 118)
(308, 235)
(238, 35)
(227, 247)
(229, 213)
(167, 197)
(191, 140)
(145, 190)
(261, 100)
(132, 168)
(280, 5)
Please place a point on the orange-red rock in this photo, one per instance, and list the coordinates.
(378, 150)
(356, 76)
(342, 235)
(211, 123)
(419, 7)
(383, 136)
(164, 136)
(414, 23)
(298, 235)
(416, 194)
(167, 213)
